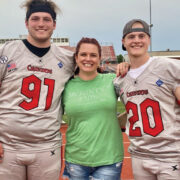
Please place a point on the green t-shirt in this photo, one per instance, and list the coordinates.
(93, 137)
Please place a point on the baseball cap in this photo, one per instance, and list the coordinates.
(128, 28)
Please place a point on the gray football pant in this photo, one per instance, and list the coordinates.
(31, 166)
(152, 169)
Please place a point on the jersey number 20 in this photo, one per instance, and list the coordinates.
(158, 124)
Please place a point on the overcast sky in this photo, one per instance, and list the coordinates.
(102, 19)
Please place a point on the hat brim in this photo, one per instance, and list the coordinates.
(123, 47)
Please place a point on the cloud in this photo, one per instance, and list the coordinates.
(101, 19)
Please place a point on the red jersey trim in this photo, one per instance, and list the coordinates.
(178, 101)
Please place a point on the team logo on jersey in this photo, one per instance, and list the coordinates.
(3, 59)
(11, 67)
(175, 167)
(159, 82)
(35, 68)
(52, 152)
(137, 93)
(60, 64)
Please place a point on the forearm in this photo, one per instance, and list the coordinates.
(1, 152)
(122, 118)
(177, 94)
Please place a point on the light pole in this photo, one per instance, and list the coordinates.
(150, 25)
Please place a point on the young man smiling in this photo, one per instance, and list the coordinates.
(151, 94)
(33, 73)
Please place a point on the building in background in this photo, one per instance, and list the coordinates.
(108, 59)
(57, 41)
(167, 53)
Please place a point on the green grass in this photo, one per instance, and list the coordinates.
(120, 109)
(65, 118)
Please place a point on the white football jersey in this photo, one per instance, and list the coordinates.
(153, 124)
(30, 96)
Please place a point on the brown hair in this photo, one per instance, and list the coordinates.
(89, 41)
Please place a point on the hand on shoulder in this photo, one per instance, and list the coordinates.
(122, 69)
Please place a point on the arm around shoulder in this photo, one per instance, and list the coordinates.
(122, 69)
(122, 118)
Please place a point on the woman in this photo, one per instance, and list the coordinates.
(94, 145)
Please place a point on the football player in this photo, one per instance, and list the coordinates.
(151, 94)
(33, 73)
